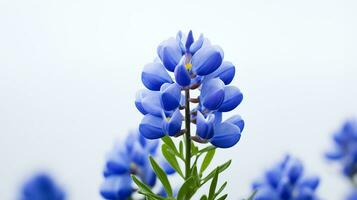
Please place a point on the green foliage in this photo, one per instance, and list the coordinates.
(175, 156)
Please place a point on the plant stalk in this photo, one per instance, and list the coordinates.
(187, 134)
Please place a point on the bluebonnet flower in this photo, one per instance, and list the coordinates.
(41, 187)
(187, 64)
(130, 157)
(286, 181)
(345, 149)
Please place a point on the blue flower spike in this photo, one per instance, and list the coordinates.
(345, 148)
(132, 157)
(286, 181)
(41, 187)
(184, 65)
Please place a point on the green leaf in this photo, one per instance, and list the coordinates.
(194, 149)
(212, 188)
(181, 148)
(223, 197)
(206, 149)
(221, 189)
(171, 158)
(221, 168)
(252, 195)
(204, 197)
(207, 160)
(161, 175)
(195, 176)
(168, 141)
(186, 189)
(145, 189)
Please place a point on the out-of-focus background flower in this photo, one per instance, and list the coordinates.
(69, 71)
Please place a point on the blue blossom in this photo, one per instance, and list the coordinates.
(183, 64)
(345, 150)
(131, 156)
(352, 196)
(41, 187)
(286, 181)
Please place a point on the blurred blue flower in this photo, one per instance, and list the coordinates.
(41, 187)
(130, 157)
(196, 64)
(345, 150)
(352, 196)
(286, 181)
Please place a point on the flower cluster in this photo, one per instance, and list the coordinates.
(185, 64)
(41, 187)
(130, 157)
(286, 181)
(345, 149)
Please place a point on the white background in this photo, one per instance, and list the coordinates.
(69, 70)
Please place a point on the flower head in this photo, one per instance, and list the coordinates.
(186, 64)
(286, 181)
(345, 151)
(41, 187)
(130, 157)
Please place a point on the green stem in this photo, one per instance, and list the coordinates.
(187, 134)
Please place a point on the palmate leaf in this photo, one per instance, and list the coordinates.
(161, 175)
(171, 159)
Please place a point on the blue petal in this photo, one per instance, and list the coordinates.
(173, 125)
(131, 139)
(204, 127)
(151, 127)
(150, 145)
(154, 75)
(170, 96)
(148, 175)
(285, 189)
(138, 100)
(138, 155)
(232, 98)
(170, 53)
(196, 45)
(310, 182)
(295, 170)
(212, 94)
(273, 177)
(225, 72)
(182, 76)
(207, 60)
(236, 120)
(152, 103)
(117, 163)
(180, 40)
(305, 194)
(189, 40)
(225, 135)
(336, 154)
(116, 187)
(266, 193)
(166, 166)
